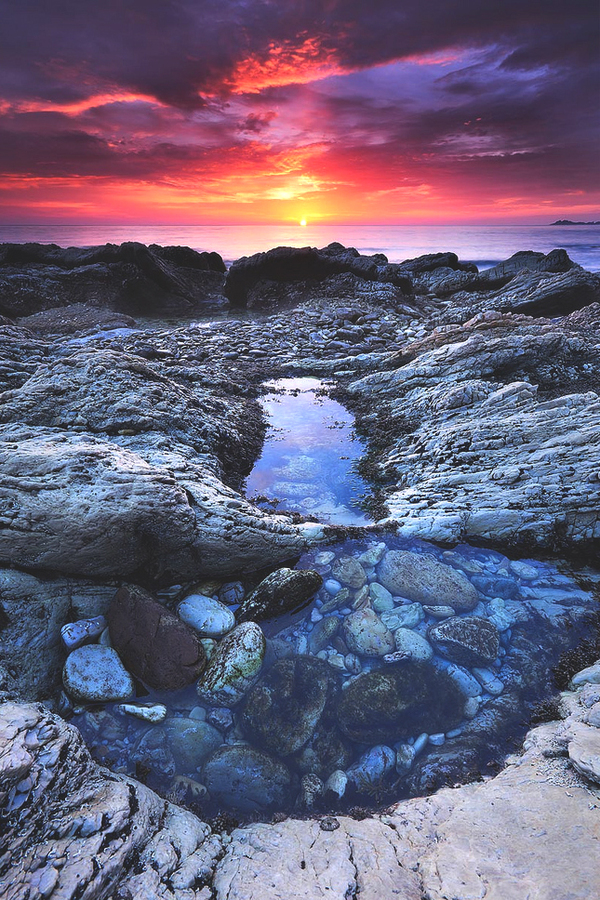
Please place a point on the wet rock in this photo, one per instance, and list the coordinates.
(326, 750)
(372, 769)
(399, 701)
(96, 674)
(220, 718)
(246, 779)
(155, 645)
(191, 741)
(283, 710)
(412, 645)
(231, 593)
(206, 616)
(468, 641)
(336, 783)
(422, 578)
(154, 714)
(407, 616)
(349, 572)
(84, 631)
(234, 666)
(366, 635)
(282, 591)
(322, 633)
(311, 791)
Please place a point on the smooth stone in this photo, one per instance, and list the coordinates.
(410, 616)
(498, 614)
(373, 555)
(155, 645)
(378, 592)
(399, 701)
(437, 739)
(439, 612)
(349, 572)
(206, 616)
(283, 710)
(191, 741)
(467, 683)
(494, 586)
(523, 570)
(353, 664)
(413, 645)
(405, 757)
(372, 768)
(284, 590)
(332, 586)
(423, 578)
(324, 558)
(234, 666)
(420, 743)
(323, 633)
(246, 779)
(153, 714)
(468, 641)
(84, 631)
(361, 598)
(337, 783)
(199, 713)
(336, 601)
(366, 635)
(96, 674)
(383, 604)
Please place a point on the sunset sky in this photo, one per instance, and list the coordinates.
(333, 111)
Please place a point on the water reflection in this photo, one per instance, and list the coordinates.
(309, 455)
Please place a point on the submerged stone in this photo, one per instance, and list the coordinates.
(399, 702)
(96, 674)
(155, 645)
(468, 641)
(191, 741)
(349, 572)
(372, 769)
(246, 779)
(282, 591)
(206, 616)
(284, 708)
(420, 577)
(234, 666)
(366, 635)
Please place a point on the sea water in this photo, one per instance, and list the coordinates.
(484, 245)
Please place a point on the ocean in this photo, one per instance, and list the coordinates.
(484, 245)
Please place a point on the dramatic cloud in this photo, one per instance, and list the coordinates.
(253, 110)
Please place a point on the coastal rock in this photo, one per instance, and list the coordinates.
(282, 591)
(131, 277)
(399, 701)
(156, 646)
(77, 317)
(206, 616)
(422, 578)
(247, 779)
(234, 666)
(349, 572)
(97, 675)
(283, 710)
(366, 635)
(468, 641)
(69, 507)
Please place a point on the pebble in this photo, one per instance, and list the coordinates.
(337, 783)
(420, 743)
(412, 645)
(332, 587)
(208, 617)
(437, 739)
(439, 612)
(154, 714)
(96, 674)
(405, 757)
(84, 631)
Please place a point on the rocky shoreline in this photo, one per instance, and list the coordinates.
(124, 444)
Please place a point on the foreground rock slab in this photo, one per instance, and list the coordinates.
(72, 829)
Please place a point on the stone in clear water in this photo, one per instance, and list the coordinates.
(96, 674)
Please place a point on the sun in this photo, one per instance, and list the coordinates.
(303, 222)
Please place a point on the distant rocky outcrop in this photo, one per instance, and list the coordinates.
(129, 278)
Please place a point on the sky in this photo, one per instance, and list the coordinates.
(328, 111)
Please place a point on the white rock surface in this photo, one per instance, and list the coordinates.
(95, 673)
(206, 616)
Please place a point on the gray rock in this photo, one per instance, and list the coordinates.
(422, 578)
(246, 779)
(205, 615)
(96, 674)
(468, 641)
(234, 666)
(349, 572)
(322, 634)
(84, 631)
(372, 769)
(154, 714)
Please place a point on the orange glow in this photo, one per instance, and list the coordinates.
(79, 106)
(284, 64)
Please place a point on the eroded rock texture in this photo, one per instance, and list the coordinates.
(72, 829)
